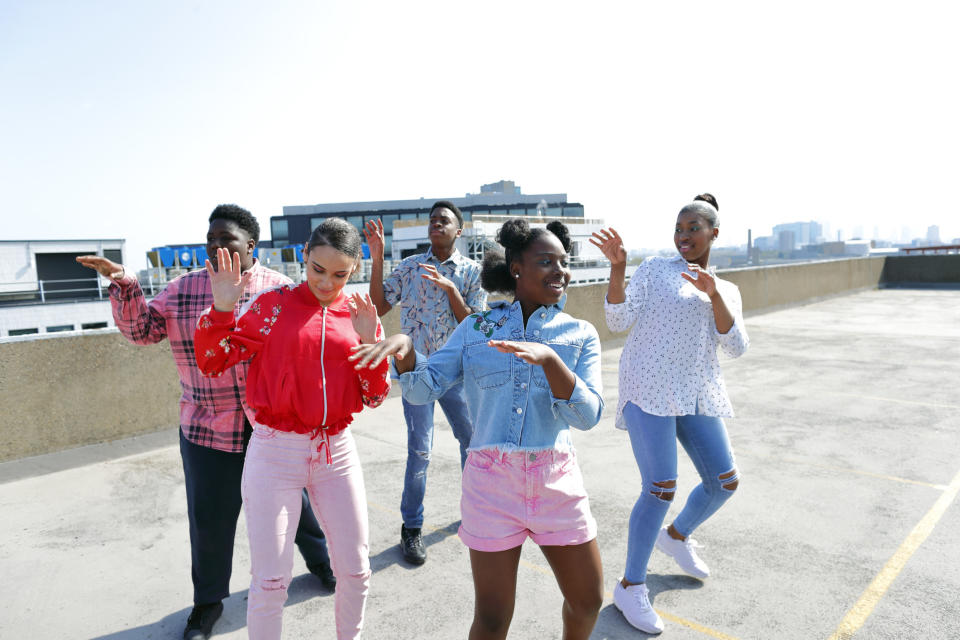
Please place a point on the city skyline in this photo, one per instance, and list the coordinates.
(135, 120)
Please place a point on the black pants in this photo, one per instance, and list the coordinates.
(212, 479)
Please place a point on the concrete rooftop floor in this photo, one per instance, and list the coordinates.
(846, 520)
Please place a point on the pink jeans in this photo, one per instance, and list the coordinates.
(278, 466)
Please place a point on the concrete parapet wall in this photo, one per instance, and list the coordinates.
(64, 392)
(777, 286)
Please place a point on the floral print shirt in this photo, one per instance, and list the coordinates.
(425, 311)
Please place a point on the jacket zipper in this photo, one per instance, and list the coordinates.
(323, 371)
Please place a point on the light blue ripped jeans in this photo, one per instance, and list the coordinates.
(654, 441)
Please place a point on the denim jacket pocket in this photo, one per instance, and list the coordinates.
(488, 367)
(569, 353)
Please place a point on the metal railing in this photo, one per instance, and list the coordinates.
(44, 291)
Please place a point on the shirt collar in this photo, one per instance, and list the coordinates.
(456, 257)
(505, 304)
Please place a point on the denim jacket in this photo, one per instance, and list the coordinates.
(510, 401)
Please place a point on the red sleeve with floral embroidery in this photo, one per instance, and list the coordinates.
(222, 340)
(375, 383)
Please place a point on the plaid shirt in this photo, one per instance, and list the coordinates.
(211, 409)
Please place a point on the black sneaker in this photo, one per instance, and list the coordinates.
(200, 622)
(411, 543)
(325, 573)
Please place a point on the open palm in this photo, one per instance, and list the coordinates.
(227, 281)
(363, 314)
(610, 243)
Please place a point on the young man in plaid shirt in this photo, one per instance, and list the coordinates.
(214, 430)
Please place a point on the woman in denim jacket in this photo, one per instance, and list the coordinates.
(529, 373)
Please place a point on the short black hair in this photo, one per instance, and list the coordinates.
(708, 198)
(446, 204)
(244, 219)
(515, 236)
(336, 233)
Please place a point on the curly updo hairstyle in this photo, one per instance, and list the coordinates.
(336, 233)
(515, 236)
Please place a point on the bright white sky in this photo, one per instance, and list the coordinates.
(134, 119)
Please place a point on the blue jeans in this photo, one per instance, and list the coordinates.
(654, 441)
(420, 443)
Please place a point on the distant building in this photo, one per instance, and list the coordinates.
(43, 289)
(933, 235)
(496, 199)
(786, 241)
(803, 233)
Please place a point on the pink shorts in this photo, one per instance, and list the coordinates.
(509, 496)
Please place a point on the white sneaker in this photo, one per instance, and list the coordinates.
(684, 552)
(634, 603)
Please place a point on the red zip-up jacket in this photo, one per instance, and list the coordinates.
(299, 378)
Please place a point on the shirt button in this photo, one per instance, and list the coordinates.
(519, 410)
(543, 315)
(536, 332)
(523, 385)
(533, 456)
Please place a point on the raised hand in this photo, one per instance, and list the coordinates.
(702, 280)
(436, 277)
(371, 355)
(106, 268)
(531, 352)
(363, 314)
(227, 281)
(610, 243)
(373, 232)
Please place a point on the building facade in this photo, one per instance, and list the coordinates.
(502, 198)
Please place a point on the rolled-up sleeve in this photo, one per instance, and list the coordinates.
(475, 296)
(622, 316)
(585, 405)
(734, 342)
(431, 377)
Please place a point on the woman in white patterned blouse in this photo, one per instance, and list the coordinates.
(679, 313)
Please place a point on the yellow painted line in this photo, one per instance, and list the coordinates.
(863, 607)
(894, 400)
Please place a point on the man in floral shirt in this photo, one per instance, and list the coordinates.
(436, 290)
(214, 429)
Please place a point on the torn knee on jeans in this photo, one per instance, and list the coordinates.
(664, 490)
(273, 584)
(423, 455)
(729, 480)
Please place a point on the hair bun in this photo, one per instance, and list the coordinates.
(514, 233)
(560, 230)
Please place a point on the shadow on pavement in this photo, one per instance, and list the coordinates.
(612, 624)
(302, 588)
(392, 555)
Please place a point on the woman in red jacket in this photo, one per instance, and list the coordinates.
(303, 393)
